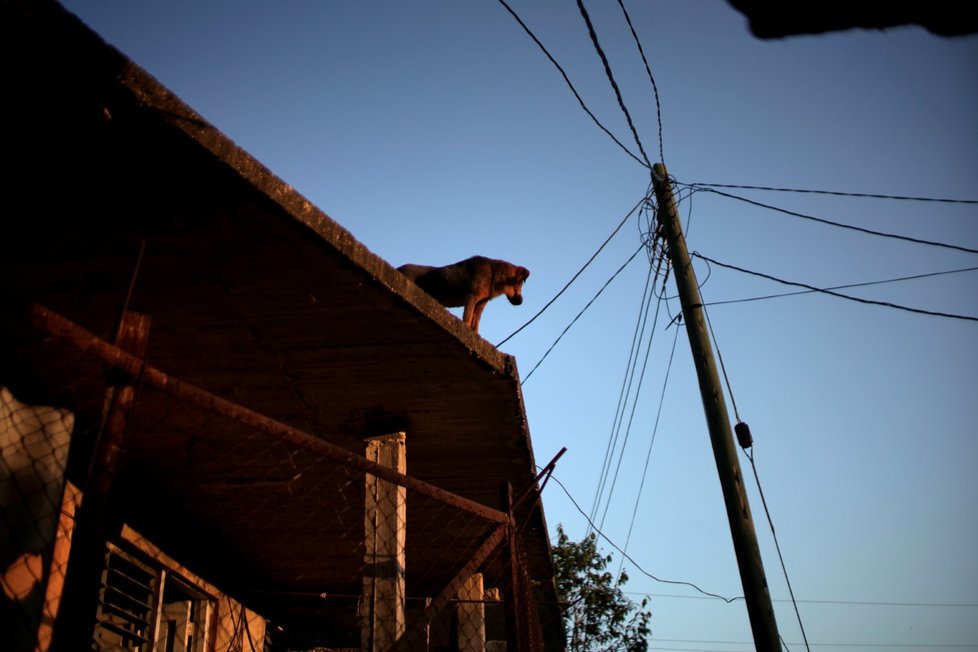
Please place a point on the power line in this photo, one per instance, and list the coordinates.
(648, 70)
(812, 288)
(631, 416)
(632, 561)
(648, 455)
(656, 257)
(840, 225)
(611, 79)
(757, 479)
(655, 267)
(573, 278)
(583, 310)
(723, 367)
(626, 386)
(846, 603)
(843, 287)
(569, 84)
(777, 547)
(832, 192)
(656, 648)
(884, 645)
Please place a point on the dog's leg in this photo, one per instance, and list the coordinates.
(477, 313)
(477, 317)
(469, 313)
(473, 311)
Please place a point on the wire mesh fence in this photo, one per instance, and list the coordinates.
(33, 455)
(219, 528)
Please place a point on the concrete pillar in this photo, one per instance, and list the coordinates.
(471, 613)
(385, 526)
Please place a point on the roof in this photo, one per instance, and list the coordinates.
(255, 295)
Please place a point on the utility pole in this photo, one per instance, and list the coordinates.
(759, 609)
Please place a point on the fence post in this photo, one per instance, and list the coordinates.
(96, 520)
(472, 615)
(385, 526)
(438, 603)
(514, 609)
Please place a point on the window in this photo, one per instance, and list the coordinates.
(145, 608)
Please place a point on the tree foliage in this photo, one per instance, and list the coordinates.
(598, 616)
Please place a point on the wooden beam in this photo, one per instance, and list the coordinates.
(55, 324)
(95, 523)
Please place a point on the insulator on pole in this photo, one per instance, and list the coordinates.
(743, 435)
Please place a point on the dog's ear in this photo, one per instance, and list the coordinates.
(522, 273)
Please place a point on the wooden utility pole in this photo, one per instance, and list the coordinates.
(759, 609)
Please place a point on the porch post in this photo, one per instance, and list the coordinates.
(385, 525)
(97, 522)
(472, 616)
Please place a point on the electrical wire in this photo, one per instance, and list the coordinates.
(611, 79)
(750, 456)
(843, 287)
(630, 367)
(574, 278)
(723, 367)
(632, 561)
(626, 385)
(812, 288)
(648, 455)
(777, 545)
(631, 417)
(569, 84)
(648, 70)
(704, 186)
(657, 258)
(656, 648)
(883, 645)
(846, 603)
(578, 316)
(680, 198)
(840, 225)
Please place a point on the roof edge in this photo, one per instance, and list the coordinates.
(153, 96)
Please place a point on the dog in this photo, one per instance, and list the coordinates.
(471, 283)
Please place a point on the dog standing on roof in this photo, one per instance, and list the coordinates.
(471, 283)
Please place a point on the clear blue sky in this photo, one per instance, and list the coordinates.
(438, 130)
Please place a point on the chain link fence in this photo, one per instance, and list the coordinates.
(33, 455)
(210, 526)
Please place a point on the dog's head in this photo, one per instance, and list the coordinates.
(513, 288)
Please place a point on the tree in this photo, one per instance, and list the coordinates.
(598, 617)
